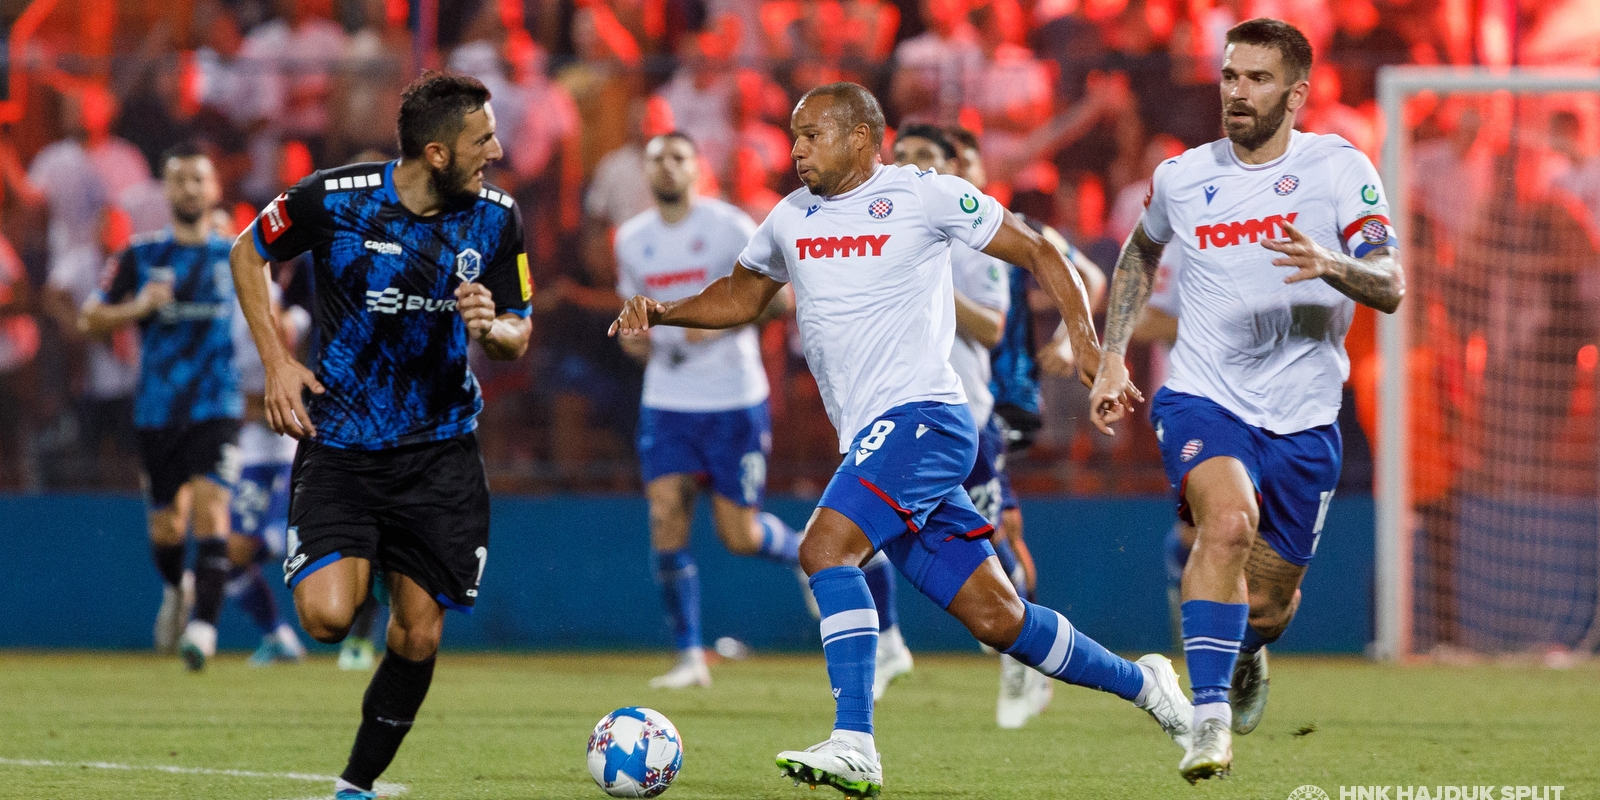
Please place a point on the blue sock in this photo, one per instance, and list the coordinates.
(1254, 641)
(1211, 634)
(849, 642)
(880, 582)
(680, 593)
(1050, 644)
(248, 587)
(779, 542)
(1177, 556)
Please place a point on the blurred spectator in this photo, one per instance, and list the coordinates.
(604, 80)
(769, 143)
(1458, 169)
(1013, 94)
(701, 94)
(619, 189)
(935, 71)
(104, 373)
(546, 158)
(1129, 205)
(304, 46)
(1582, 179)
(19, 343)
(366, 94)
(1325, 112)
(750, 191)
(1362, 43)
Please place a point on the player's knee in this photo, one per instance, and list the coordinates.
(324, 625)
(1270, 614)
(1231, 531)
(417, 643)
(997, 624)
(740, 536)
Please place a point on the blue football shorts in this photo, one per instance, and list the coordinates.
(900, 483)
(987, 484)
(1294, 474)
(726, 449)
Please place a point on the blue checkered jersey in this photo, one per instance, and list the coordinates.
(186, 370)
(393, 353)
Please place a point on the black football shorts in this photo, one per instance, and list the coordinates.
(419, 510)
(172, 456)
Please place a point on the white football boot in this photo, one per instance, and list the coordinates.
(1211, 754)
(1041, 690)
(197, 644)
(1248, 693)
(1165, 702)
(1016, 705)
(893, 661)
(835, 763)
(690, 671)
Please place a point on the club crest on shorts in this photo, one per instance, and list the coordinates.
(1286, 185)
(469, 265)
(881, 208)
(1190, 449)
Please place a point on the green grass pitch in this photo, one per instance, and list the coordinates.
(515, 726)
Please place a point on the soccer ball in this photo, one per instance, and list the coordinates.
(635, 752)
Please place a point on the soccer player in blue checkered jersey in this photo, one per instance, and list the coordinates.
(1281, 234)
(867, 247)
(414, 260)
(703, 416)
(175, 285)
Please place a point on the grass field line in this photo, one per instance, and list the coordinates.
(383, 789)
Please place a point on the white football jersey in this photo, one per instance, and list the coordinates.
(670, 262)
(872, 284)
(1270, 352)
(984, 280)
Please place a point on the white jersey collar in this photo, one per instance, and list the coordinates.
(1294, 139)
(876, 174)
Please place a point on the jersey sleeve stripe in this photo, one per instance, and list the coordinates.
(255, 237)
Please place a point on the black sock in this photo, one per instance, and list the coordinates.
(211, 566)
(366, 619)
(387, 711)
(169, 562)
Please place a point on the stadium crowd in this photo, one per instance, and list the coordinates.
(1075, 102)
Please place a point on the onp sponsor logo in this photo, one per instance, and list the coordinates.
(1228, 234)
(830, 246)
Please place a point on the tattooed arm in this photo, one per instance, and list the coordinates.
(1375, 279)
(1113, 394)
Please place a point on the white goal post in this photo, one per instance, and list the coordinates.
(1395, 515)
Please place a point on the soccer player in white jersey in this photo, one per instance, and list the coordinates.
(1281, 233)
(982, 300)
(703, 417)
(260, 507)
(867, 248)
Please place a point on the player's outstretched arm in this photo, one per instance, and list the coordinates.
(1375, 280)
(286, 377)
(727, 303)
(1018, 244)
(1113, 393)
(100, 319)
(504, 337)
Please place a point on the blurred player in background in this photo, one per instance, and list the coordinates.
(1246, 420)
(260, 514)
(414, 260)
(868, 248)
(703, 417)
(176, 286)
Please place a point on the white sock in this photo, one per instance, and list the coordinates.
(1206, 711)
(1149, 684)
(861, 741)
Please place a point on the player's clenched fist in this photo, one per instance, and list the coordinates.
(475, 304)
(1113, 394)
(638, 314)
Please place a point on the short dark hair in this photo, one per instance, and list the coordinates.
(1287, 39)
(932, 133)
(679, 136)
(859, 105)
(187, 148)
(433, 108)
(963, 138)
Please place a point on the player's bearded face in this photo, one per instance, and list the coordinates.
(1249, 126)
(455, 179)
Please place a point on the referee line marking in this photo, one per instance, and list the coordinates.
(383, 789)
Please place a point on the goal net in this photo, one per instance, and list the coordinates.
(1488, 469)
